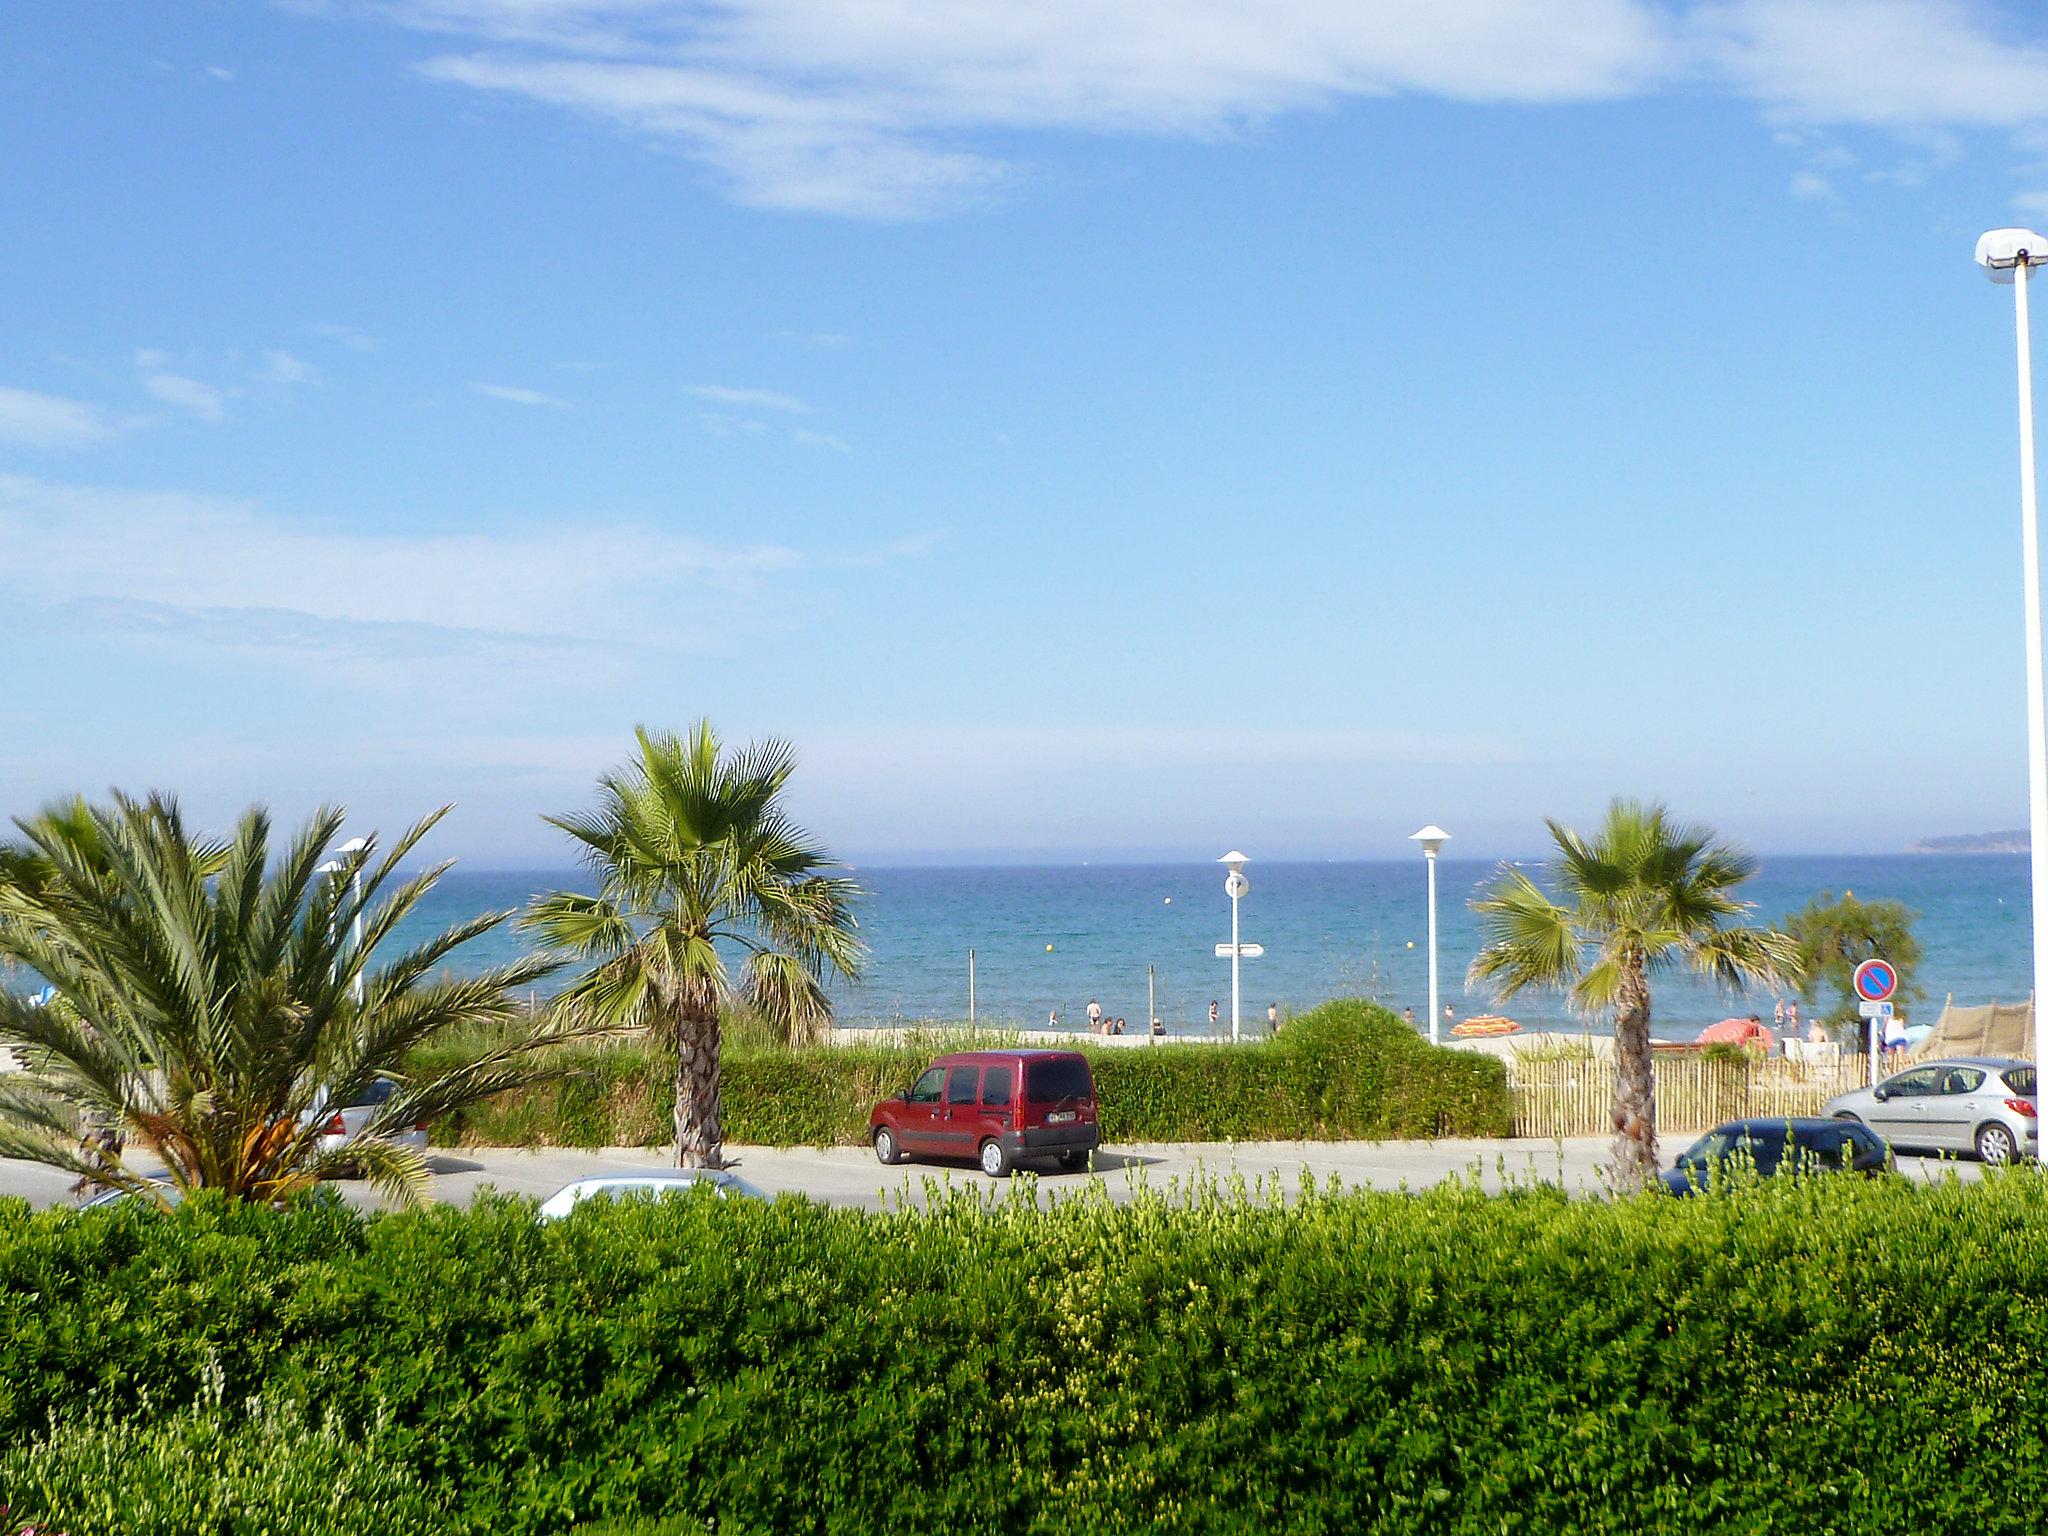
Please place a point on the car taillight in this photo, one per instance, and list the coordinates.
(2022, 1107)
(335, 1126)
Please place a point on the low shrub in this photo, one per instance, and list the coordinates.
(1345, 1070)
(1829, 1355)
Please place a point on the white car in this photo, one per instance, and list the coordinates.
(345, 1123)
(646, 1184)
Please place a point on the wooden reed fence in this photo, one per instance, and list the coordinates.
(1574, 1095)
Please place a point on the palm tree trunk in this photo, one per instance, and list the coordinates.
(1635, 1088)
(699, 1107)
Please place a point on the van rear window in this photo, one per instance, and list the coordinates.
(1052, 1079)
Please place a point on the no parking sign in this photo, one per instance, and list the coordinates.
(1875, 981)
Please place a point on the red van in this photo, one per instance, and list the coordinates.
(997, 1107)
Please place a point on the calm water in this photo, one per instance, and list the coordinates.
(1328, 929)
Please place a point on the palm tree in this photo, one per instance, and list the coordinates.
(1640, 896)
(205, 1002)
(696, 861)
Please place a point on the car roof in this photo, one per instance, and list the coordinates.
(1997, 1063)
(1028, 1052)
(657, 1176)
(1778, 1125)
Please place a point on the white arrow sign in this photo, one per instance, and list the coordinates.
(1242, 951)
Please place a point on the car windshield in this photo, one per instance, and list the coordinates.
(1051, 1079)
(379, 1092)
(2020, 1080)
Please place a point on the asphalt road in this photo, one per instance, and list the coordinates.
(850, 1176)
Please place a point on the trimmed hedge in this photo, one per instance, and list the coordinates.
(1346, 1070)
(1832, 1355)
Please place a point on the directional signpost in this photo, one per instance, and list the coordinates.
(1237, 887)
(1875, 981)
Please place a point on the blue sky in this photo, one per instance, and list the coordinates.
(1105, 430)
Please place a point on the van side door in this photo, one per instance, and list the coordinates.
(960, 1120)
(918, 1121)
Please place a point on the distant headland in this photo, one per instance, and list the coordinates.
(1973, 842)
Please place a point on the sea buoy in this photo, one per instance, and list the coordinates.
(1169, 901)
(1048, 949)
(1411, 943)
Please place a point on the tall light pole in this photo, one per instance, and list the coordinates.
(1236, 884)
(357, 846)
(1432, 838)
(2008, 255)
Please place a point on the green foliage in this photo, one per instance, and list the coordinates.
(1347, 1069)
(1835, 934)
(208, 991)
(1822, 1355)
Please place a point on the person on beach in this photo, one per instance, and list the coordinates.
(1778, 1016)
(1214, 1012)
(1408, 1016)
(1816, 1028)
(1158, 1025)
(1052, 1020)
(1117, 1028)
(1273, 1017)
(1094, 1017)
(1792, 1016)
(1450, 1016)
(1894, 1039)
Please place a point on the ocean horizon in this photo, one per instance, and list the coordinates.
(1050, 937)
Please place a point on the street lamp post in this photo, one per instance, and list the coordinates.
(1237, 886)
(357, 845)
(2008, 255)
(1432, 838)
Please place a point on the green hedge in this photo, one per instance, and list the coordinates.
(1833, 1356)
(1346, 1070)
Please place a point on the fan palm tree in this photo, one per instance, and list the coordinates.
(696, 863)
(1642, 895)
(205, 1001)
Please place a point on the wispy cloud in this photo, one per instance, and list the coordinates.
(32, 420)
(283, 368)
(1810, 185)
(346, 336)
(830, 440)
(513, 394)
(232, 575)
(750, 399)
(200, 399)
(876, 109)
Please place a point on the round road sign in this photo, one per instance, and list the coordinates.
(1875, 981)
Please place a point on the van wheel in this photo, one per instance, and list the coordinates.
(1995, 1144)
(995, 1162)
(886, 1150)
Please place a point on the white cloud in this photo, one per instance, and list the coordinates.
(859, 107)
(231, 575)
(1811, 185)
(31, 420)
(514, 395)
(821, 440)
(202, 400)
(345, 335)
(1877, 63)
(283, 368)
(750, 399)
(882, 108)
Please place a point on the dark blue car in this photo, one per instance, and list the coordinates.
(1780, 1145)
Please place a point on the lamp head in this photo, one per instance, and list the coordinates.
(331, 867)
(2001, 252)
(1432, 837)
(354, 845)
(1235, 860)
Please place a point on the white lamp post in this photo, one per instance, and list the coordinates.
(1237, 886)
(1432, 838)
(2008, 255)
(356, 845)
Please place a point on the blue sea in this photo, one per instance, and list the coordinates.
(1052, 938)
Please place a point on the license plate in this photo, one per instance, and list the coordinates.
(1060, 1117)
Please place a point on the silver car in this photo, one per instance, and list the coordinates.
(341, 1125)
(1980, 1104)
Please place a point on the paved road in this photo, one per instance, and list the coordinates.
(851, 1176)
